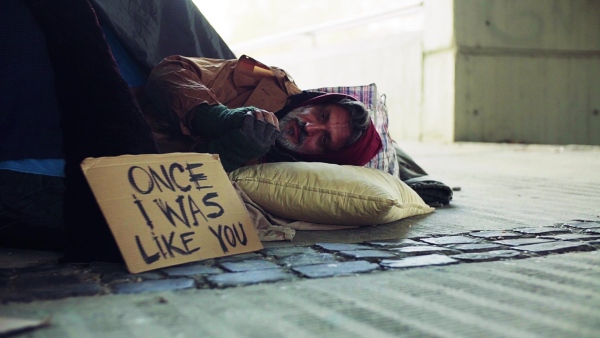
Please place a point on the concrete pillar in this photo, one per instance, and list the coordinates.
(512, 70)
(439, 71)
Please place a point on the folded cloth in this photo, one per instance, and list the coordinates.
(433, 192)
(408, 167)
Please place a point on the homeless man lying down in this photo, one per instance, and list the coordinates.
(249, 113)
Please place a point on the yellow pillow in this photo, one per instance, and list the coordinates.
(329, 193)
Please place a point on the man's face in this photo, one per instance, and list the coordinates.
(314, 130)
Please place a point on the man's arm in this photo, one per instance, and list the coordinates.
(253, 140)
(180, 90)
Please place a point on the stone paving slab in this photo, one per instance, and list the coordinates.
(154, 285)
(523, 241)
(341, 246)
(335, 269)
(583, 224)
(288, 251)
(556, 247)
(476, 247)
(571, 237)
(425, 250)
(541, 230)
(367, 254)
(322, 260)
(191, 270)
(308, 259)
(495, 235)
(395, 243)
(418, 261)
(449, 240)
(249, 277)
(488, 256)
(247, 265)
(240, 257)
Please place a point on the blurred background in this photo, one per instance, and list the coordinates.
(518, 71)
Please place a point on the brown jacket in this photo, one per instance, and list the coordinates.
(180, 83)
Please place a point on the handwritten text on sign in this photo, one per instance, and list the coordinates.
(170, 209)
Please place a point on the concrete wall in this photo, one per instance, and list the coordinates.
(523, 70)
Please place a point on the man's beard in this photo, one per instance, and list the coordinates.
(287, 130)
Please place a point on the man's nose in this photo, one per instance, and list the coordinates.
(312, 128)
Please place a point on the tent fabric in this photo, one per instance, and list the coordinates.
(154, 29)
(99, 114)
(26, 89)
(130, 70)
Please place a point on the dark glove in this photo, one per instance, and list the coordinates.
(262, 133)
(212, 121)
(433, 192)
(238, 147)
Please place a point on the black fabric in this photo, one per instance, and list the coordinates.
(100, 117)
(31, 211)
(433, 192)
(29, 116)
(154, 29)
(408, 167)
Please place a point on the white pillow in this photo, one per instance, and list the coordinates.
(329, 193)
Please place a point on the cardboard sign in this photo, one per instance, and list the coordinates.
(170, 209)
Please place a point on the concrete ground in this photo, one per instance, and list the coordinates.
(548, 290)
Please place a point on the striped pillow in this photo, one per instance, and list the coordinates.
(386, 159)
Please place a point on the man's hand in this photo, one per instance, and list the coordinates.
(254, 139)
(261, 127)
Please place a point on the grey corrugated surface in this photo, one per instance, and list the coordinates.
(552, 296)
